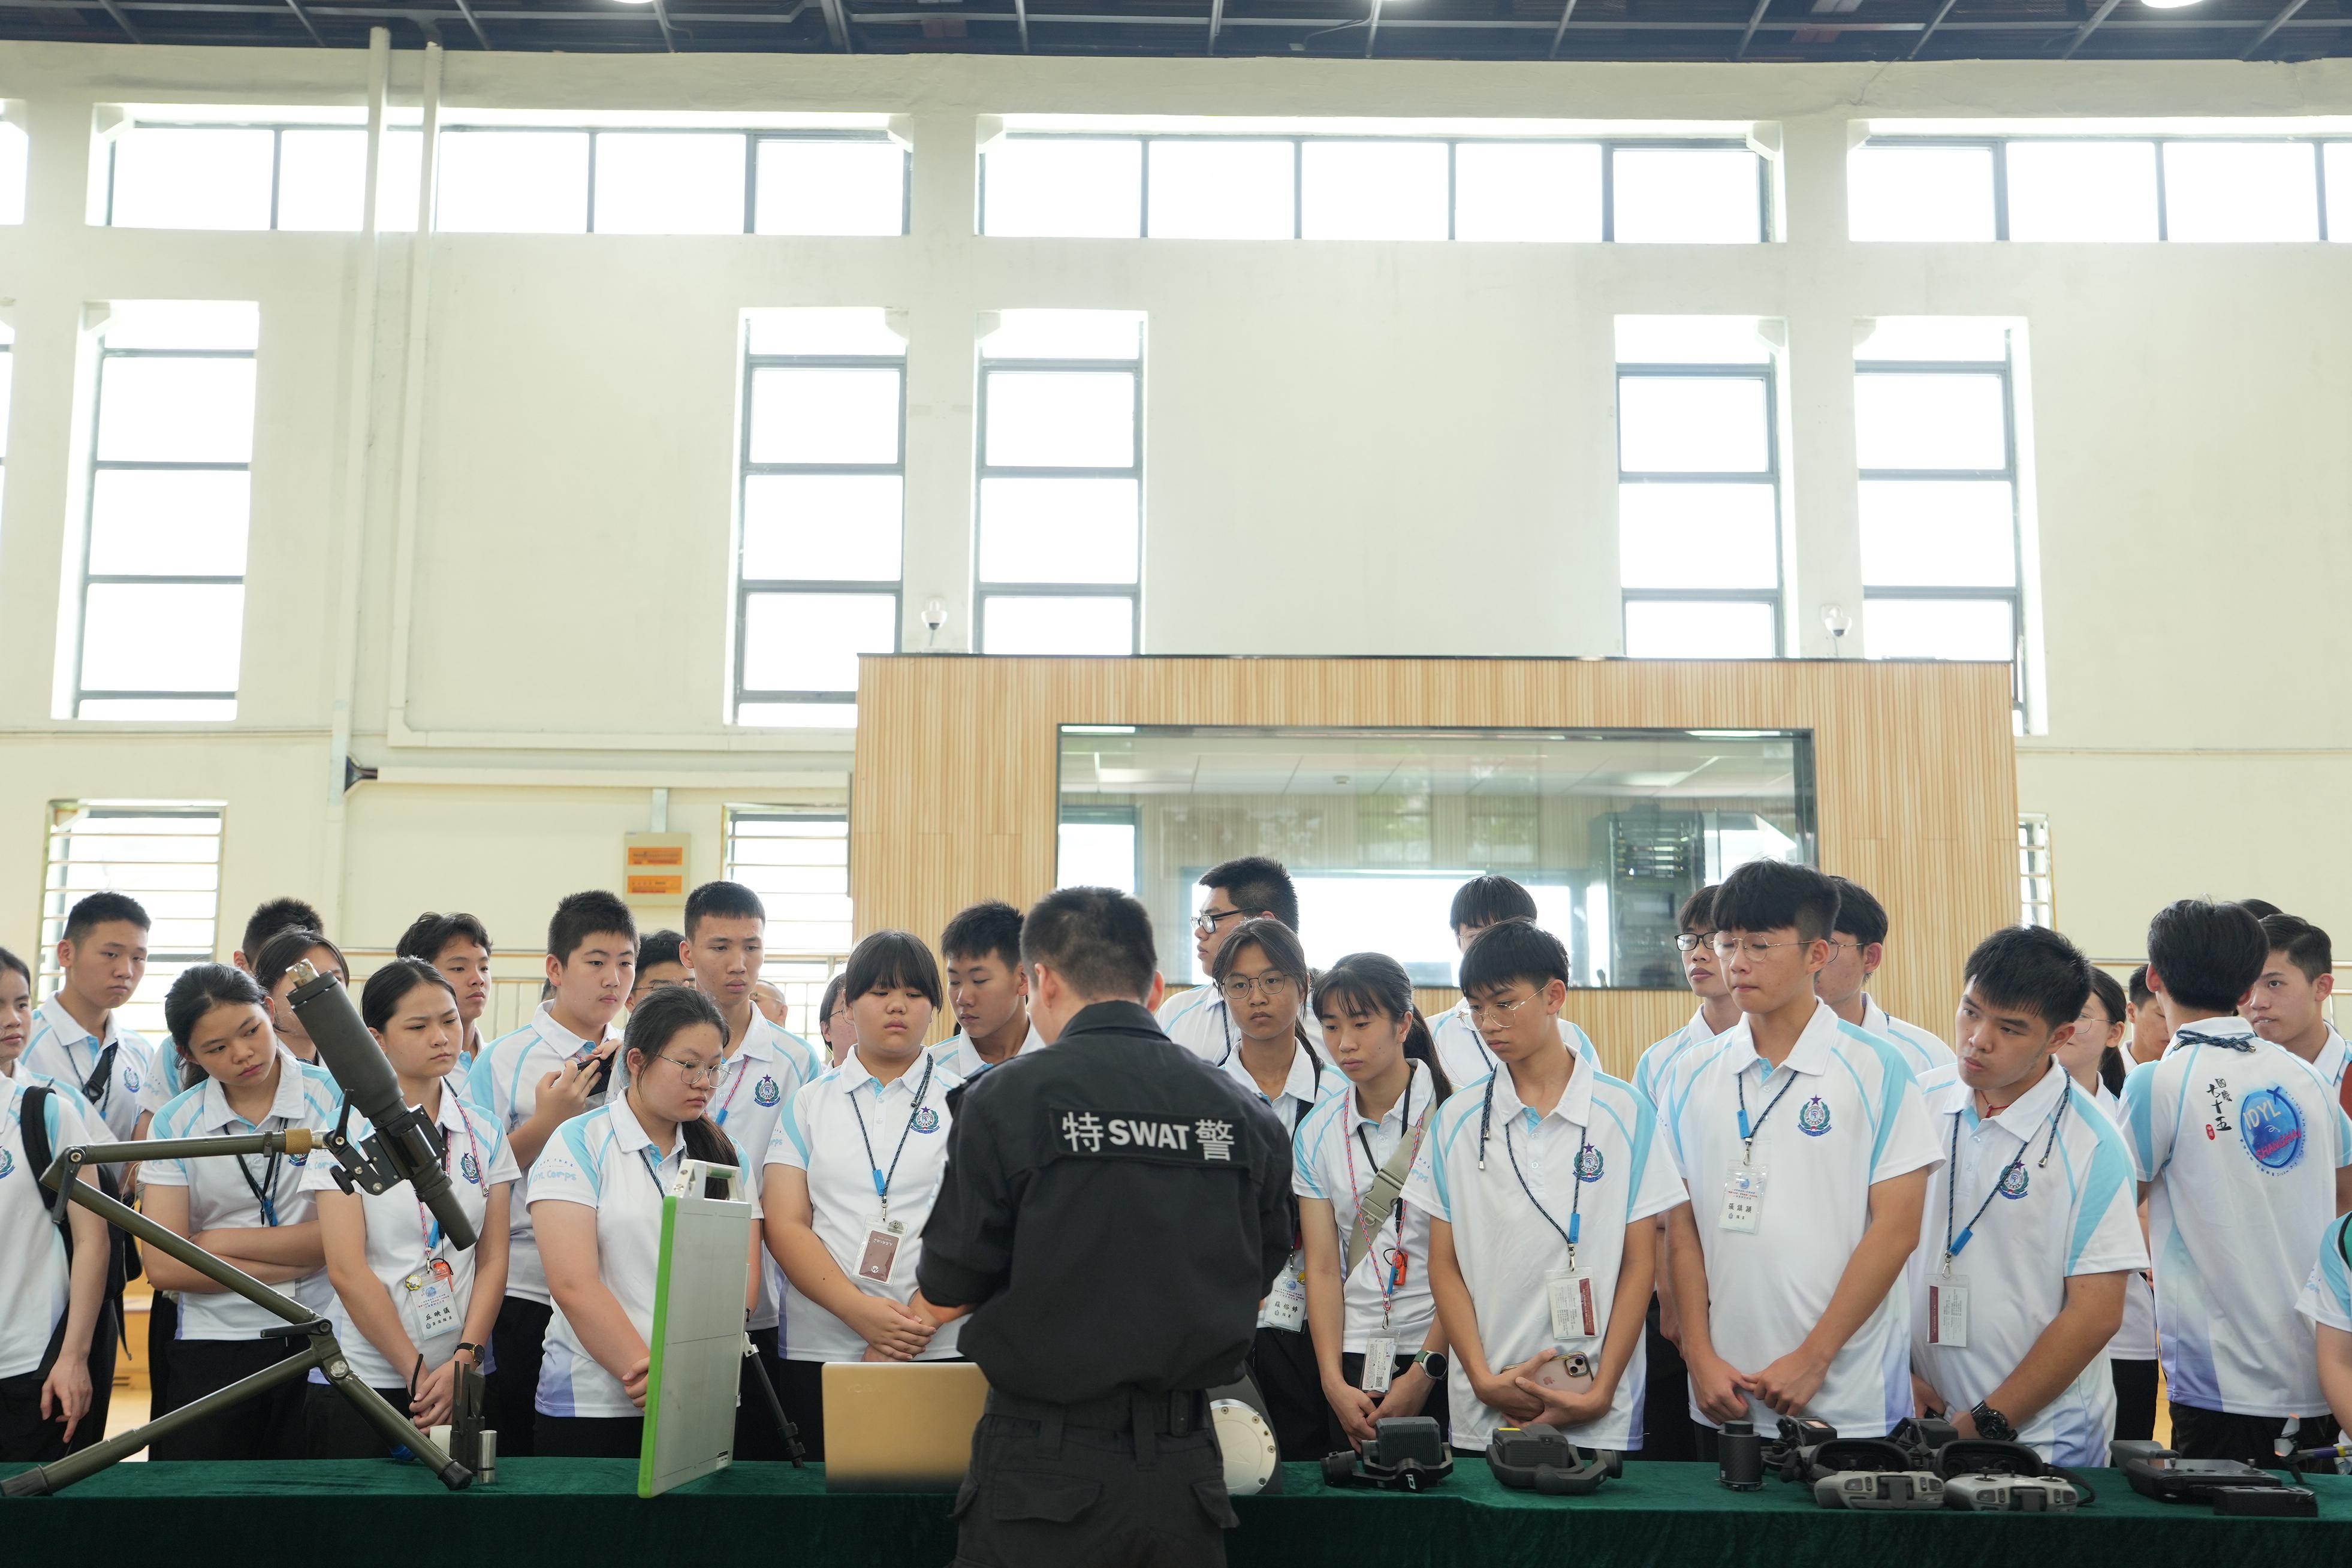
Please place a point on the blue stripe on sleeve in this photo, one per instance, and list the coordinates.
(574, 1134)
(2333, 1278)
(2139, 1115)
(1302, 1148)
(2108, 1178)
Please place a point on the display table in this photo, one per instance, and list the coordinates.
(568, 1513)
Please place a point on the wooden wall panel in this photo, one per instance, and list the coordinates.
(953, 795)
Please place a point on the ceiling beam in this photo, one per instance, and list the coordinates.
(1755, 20)
(1928, 31)
(304, 17)
(1561, 32)
(2286, 14)
(836, 25)
(2106, 9)
(1021, 15)
(661, 16)
(1216, 23)
(121, 20)
(1371, 28)
(474, 22)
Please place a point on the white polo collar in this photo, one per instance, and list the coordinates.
(556, 1035)
(1418, 1093)
(2020, 1119)
(1810, 1056)
(1873, 1017)
(1696, 1030)
(68, 1027)
(855, 1075)
(1300, 1085)
(1575, 1106)
(628, 1134)
(288, 1103)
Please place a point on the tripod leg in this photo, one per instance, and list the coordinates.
(397, 1428)
(776, 1408)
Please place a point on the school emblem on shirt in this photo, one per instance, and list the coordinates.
(765, 1092)
(471, 1168)
(130, 1081)
(1588, 1164)
(1814, 1119)
(2271, 1129)
(7, 1162)
(926, 1120)
(2013, 1181)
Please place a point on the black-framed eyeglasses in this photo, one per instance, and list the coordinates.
(1206, 922)
(1691, 941)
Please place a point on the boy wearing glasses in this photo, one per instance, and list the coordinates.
(1478, 904)
(1807, 1150)
(1246, 889)
(1857, 947)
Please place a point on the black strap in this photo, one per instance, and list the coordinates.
(121, 1261)
(101, 1073)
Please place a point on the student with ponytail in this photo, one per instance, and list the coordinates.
(1379, 1347)
(408, 1306)
(596, 1194)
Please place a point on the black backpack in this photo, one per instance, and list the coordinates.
(123, 1259)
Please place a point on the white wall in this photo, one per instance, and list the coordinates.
(1349, 447)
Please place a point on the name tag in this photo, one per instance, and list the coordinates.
(1743, 1200)
(881, 1252)
(1947, 1311)
(428, 1299)
(1287, 1308)
(1575, 1315)
(1379, 1363)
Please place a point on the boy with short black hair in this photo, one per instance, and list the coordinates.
(2288, 1003)
(77, 1037)
(2031, 1225)
(2150, 1027)
(1479, 903)
(458, 946)
(1543, 1189)
(988, 989)
(1806, 1149)
(1857, 947)
(2232, 1213)
(661, 963)
(1238, 890)
(269, 917)
(558, 1066)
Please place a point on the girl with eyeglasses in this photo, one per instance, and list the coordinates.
(1261, 976)
(274, 968)
(853, 1169)
(596, 1194)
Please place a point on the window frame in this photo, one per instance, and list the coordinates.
(2035, 873)
(1768, 373)
(2000, 146)
(106, 354)
(58, 899)
(1609, 145)
(747, 585)
(982, 590)
(732, 869)
(2010, 473)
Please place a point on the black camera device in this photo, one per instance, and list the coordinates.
(2230, 1486)
(1542, 1460)
(1406, 1455)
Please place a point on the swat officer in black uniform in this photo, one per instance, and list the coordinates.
(1114, 1209)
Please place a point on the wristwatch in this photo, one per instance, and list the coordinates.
(1431, 1365)
(1992, 1423)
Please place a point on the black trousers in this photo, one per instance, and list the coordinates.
(1283, 1362)
(2135, 1400)
(587, 1438)
(757, 1436)
(1351, 1367)
(25, 1437)
(269, 1427)
(334, 1428)
(163, 1328)
(2199, 1434)
(518, 1340)
(1665, 1397)
(801, 1386)
(1057, 1492)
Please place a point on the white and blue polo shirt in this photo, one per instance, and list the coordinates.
(220, 1198)
(2044, 1195)
(36, 1285)
(2239, 1141)
(767, 1069)
(60, 1048)
(2327, 1298)
(1198, 1020)
(1659, 1057)
(1335, 1154)
(1925, 1050)
(958, 1053)
(1462, 1049)
(2135, 1341)
(1592, 1166)
(1841, 1115)
(505, 1082)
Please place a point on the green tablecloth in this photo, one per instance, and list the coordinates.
(568, 1513)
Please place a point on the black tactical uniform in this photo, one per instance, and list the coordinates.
(1115, 1209)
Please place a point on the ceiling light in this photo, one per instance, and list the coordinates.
(2166, 5)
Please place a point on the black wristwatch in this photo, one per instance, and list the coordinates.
(1992, 1423)
(1431, 1365)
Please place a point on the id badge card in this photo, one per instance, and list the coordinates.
(1947, 1311)
(429, 1301)
(1287, 1308)
(1743, 1200)
(881, 1254)
(1379, 1363)
(1575, 1314)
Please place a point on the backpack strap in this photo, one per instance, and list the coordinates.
(35, 1126)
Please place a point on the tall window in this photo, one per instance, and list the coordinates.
(166, 855)
(1698, 488)
(1061, 483)
(823, 506)
(162, 591)
(2105, 188)
(1193, 186)
(2037, 895)
(798, 862)
(1936, 438)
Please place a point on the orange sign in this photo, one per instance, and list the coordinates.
(654, 867)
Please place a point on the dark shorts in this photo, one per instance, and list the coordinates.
(2202, 1434)
(1089, 1498)
(518, 1340)
(269, 1426)
(336, 1429)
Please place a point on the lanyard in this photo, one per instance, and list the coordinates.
(1575, 1185)
(1477, 1039)
(882, 1180)
(1954, 1244)
(97, 1088)
(265, 1191)
(2243, 1043)
(652, 1165)
(743, 1066)
(1747, 1133)
(1393, 1276)
(433, 1231)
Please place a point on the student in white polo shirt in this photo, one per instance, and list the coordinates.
(1379, 1347)
(273, 967)
(2288, 1005)
(2326, 1302)
(457, 945)
(555, 1068)
(1251, 887)
(1806, 1149)
(835, 1033)
(77, 1038)
(1665, 1390)
(1261, 977)
(988, 989)
(2243, 1156)
(596, 1194)
(249, 1209)
(2092, 1058)
(852, 1173)
(1857, 948)
(1545, 1186)
(48, 1304)
(408, 1307)
(725, 943)
(1480, 902)
(2032, 1221)
(2151, 1031)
